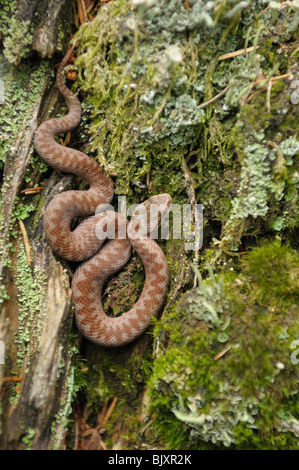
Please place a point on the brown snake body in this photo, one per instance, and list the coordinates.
(82, 244)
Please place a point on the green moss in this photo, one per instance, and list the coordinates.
(119, 373)
(142, 72)
(239, 399)
(274, 270)
(27, 439)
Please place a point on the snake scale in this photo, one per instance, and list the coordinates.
(100, 261)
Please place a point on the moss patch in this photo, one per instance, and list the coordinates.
(223, 372)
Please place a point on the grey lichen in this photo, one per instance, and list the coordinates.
(172, 17)
(217, 425)
(182, 119)
(255, 180)
(289, 148)
(259, 177)
(223, 367)
(146, 80)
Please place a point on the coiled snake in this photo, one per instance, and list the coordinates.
(83, 244)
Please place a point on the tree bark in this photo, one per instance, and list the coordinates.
(36, 314)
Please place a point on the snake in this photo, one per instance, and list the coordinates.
(100, 257)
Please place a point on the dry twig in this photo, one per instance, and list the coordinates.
(221, 353)
(26, 241)
(268, 85)
(11, 379)
(32, 190)
(223, 92)
(84, 12)
(231, 55)
(109, 411)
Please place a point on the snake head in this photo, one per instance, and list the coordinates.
(148, 216)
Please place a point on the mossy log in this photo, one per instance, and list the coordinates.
(39, 26)
(197, 99)
(36, 313)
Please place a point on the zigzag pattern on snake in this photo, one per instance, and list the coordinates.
(82, 244)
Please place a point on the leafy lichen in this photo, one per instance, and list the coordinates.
(143, 73)
(30, 294)
(226, 372)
